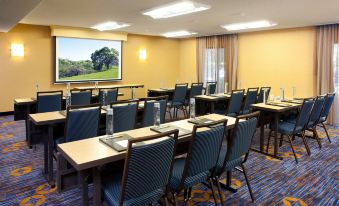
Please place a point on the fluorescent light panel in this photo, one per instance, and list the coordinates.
(176, 8)
(248, 25)
(178, 33)
(110, 26)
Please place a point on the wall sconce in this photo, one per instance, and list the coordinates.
(17, 50)
(142, 54)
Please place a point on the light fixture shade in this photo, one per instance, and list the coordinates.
(111, 25)
(142, 54)
(176, 8)
(248, 25)
(178, 33)
(17, 50)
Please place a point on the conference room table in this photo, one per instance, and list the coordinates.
(88, 155)
(212, 100)
(275, 110)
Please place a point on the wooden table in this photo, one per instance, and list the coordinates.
(201, 100)
(131, 86)
(276, 111)
(89, 154)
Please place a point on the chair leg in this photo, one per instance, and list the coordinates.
(328, 137)
(174, 199)
(185, 195)
(305, 143)
(213, 192)
(315, 134)
(268, 140)
(189, 193)
(247, 182)
(290, 140)
(219, 191)
(169, 111)
(165, 201)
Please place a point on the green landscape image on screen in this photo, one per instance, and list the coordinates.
(88, 59)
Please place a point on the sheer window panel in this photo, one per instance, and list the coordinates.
(336, 82)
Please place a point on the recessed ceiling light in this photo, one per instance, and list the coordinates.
(110, 26)
(175, 9)
(178, 33)
(248, 25)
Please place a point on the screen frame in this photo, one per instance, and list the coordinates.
(56, 62)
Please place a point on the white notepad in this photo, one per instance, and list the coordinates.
(122, 143)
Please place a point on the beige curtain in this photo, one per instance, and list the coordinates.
(326, 64)
(217, 60)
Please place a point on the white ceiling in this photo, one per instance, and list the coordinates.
(87, 13)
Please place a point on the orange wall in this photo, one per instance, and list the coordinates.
(187, 63)
(19, 75)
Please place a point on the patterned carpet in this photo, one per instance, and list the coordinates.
(314, 181)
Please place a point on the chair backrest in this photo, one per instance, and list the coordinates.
(327, 106)
(112, 95)
(148, 168)
(235, 102)
(82, 122)
(203, 152)
(49, 101)
(81, 97)
(196, 89)
(148, 116)
(239, 143)
(211, 87)
(180, 93)
(251, 98)
(304, 113)
(124, 115)
(316, 111)
(261, 94)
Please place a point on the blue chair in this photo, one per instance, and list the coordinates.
(325, 111)
(292, 128)
(251, 98)
(315, 116)
(211, 88)
(196, 89)
(146, 173)
(112, 95)
(235, 103)
(81, 97)
(202, 157)
(49, 101)
(178, 101)
(148, 115)
(82, 122)
(261, 94)
(235, 153)
(124, 115)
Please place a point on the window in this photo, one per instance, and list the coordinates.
(214, 67)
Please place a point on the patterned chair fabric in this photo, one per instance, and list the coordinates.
(49, 102)
(204, 154)
(235, 103)
(196, 89)
(251, 98)
(261, 94)
(112, 96)
(316, 112)
(179, 95)
(124, 116)
(148, 116)
(81, 123)
(81, 98)
(211, 87)
(327, 107)
(239, 145)
(147, 174)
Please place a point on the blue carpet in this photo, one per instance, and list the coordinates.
(314, 181)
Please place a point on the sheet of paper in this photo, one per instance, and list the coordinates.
(122, 143)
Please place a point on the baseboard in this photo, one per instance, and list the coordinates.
(6, 113)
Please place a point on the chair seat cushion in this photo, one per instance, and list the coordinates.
(60, 140)
(245, 111)
(174, 104)
(112, 188)
(177, 172)
(285, 127)
(322, 119)
(231, 114)
(310, 124)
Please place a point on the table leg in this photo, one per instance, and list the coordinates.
(276, 119)
(28, 110)
(262, 136)
(46, 156)
(83, 187)
(212, 107)
(228, 186)
(50, 155)
(97, 186)
(28, 136)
